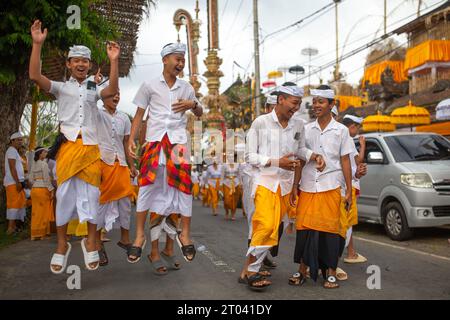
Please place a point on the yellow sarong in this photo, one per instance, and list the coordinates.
(14, 199)
(41, 212)
(205, 200)
(322, 212)
(76, 228)
(270, 209)
(77, 160)
(195, 190)
(230, 197)
(115, 182)
(213, 194)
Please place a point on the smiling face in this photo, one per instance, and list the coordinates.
(43, 155)
(289, 105)
(79, 67)
(112, 102)
(174, 63)
(322, 107)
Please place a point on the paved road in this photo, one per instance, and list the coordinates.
(419, 269)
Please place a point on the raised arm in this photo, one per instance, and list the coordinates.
(38, 38)
(113, 50)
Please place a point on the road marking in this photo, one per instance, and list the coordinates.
(403, 248)
(217, 261)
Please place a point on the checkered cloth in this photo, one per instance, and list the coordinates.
(178, 168)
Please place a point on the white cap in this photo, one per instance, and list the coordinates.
(16, 135)
(272, 99)
(79, 52)
(327, 94)
(335, 111)
(355, 119)
(173, 48)
(292, 90)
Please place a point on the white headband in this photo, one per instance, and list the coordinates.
(173, 48)
(272, 99)
(16, 135)
(327, 94)
(355, 119)
(39, 149)
(335, 111)
(79, 52)
(292, 91)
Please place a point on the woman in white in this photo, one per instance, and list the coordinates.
(230, 189)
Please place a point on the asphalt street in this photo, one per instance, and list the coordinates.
(417, 269)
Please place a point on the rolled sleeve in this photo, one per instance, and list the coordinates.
(303, 152)
(347, 144)
(55, 87)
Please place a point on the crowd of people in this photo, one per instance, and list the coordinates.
(296, 175)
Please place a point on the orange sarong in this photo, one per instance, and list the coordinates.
(270, 209)
(213, 194)
(14, 199)
(322, 212)
(230, 198)
(115, 182)
(77, 160)
(195, 190)
(41, 212)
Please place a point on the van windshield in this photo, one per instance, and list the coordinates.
(419, 147)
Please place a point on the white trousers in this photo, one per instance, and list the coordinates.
(163, 199)
(16, 214)
(76, 199)
(114, 214)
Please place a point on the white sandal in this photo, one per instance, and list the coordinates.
(60, 260)
(90, 257)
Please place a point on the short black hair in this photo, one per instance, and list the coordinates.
(37, 154)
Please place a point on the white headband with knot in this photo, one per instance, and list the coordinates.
(16, 135)
(79, 52)
(335, 111)
(327, 94)
(292, 91)
(40, 149)
(272, 99)
(355, 119)
(173, 48)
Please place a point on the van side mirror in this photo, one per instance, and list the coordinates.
(375, 158)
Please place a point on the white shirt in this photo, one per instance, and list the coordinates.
(159, 98)
(112, 128)
(40, 175)
(266, 140)
(332, 143)
(12, 153)
(194, 176)
(212, 174)
(77, 109)
(231, 174)
(355, 181)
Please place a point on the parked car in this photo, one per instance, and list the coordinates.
(408, 182)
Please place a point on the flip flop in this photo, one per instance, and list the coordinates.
(172, 260)
(90, 257)
(186, 250)
(137, 252)
(60, 260)
(341, 275)
(158, 264)
(359, 259)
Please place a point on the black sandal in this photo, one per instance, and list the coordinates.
(135, 251)
(187, 250)
(103, 257)
(297, 279)
(125, 247)
(333, 281)
(253, 279)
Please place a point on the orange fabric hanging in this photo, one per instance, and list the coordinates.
(373, 72)
(347, 101)
(442, 128)
(431, 50)
(115, 183)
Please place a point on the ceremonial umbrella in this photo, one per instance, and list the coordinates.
(378, 123)
(443, 110)
(411, 115)
(274, 74)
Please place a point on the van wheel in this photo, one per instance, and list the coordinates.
(395, 223)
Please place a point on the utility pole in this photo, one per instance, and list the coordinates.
(257, 66)
(336, 71)
(385, 16)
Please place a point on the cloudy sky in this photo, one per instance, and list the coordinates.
(360, 21)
